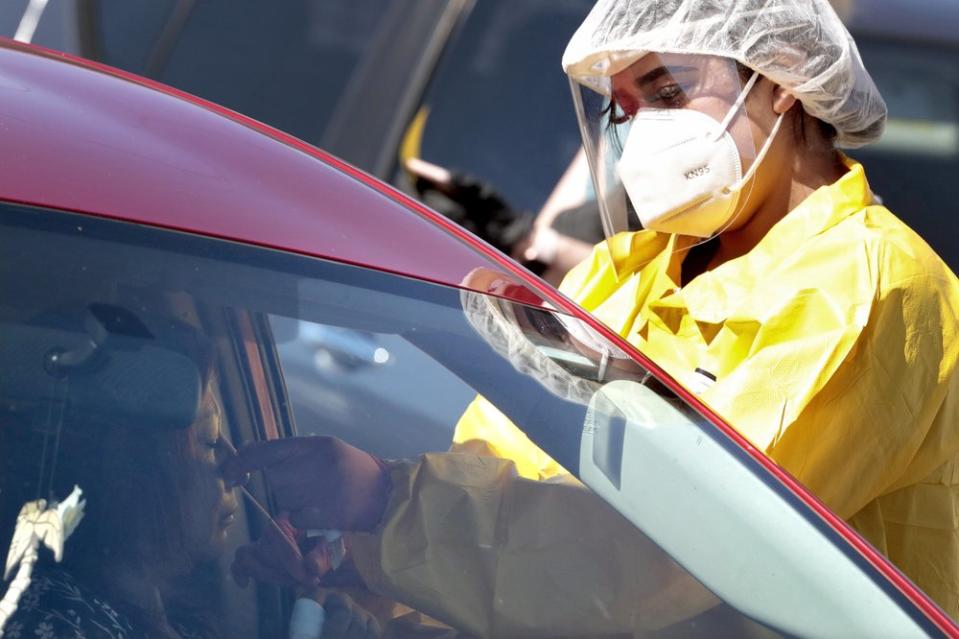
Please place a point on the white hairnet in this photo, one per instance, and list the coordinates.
(800, 45)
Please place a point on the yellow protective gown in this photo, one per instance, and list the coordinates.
(834, 344)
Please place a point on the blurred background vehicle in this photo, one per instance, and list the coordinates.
(912, 51)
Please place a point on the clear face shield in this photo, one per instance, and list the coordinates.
(670, 145)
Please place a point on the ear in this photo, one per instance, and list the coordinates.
(782, 100)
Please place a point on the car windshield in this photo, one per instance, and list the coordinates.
(135, 361)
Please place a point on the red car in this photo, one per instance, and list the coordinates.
(178, 279)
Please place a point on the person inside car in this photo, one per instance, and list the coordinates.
(144, 560)
(766, 277)
(156, 520)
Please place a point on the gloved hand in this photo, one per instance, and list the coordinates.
(323, 482)
(475, 205)
(318, 483)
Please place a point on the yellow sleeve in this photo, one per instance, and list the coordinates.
(485, 430)
(469, 542)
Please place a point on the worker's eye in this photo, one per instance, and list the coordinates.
(668, 96)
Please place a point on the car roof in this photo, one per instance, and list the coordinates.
(80, 136)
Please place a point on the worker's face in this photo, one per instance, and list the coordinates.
(710, 85)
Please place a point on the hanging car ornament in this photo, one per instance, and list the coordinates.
(52, 524)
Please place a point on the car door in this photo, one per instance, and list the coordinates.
(746, 555)
(599, 436)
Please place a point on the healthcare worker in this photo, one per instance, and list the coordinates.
(767, 277)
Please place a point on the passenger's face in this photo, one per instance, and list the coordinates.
(209, 506)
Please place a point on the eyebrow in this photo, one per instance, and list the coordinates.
(657, 73)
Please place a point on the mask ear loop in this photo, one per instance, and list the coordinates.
(759, 157)
(724, 125)
(751, 172)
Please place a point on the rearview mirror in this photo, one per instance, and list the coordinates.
(113, 369)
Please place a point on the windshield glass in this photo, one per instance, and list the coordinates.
(136, 361)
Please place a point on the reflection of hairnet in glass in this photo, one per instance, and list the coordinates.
(508, 340)
(800, 45)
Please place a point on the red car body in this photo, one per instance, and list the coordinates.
(86, 138)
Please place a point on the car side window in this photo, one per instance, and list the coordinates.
(135, 361)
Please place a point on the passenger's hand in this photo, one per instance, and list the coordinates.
(323, 482)
(278, 558)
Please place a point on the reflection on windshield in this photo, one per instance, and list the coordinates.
(133, 366)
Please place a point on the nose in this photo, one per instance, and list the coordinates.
(226, 450)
